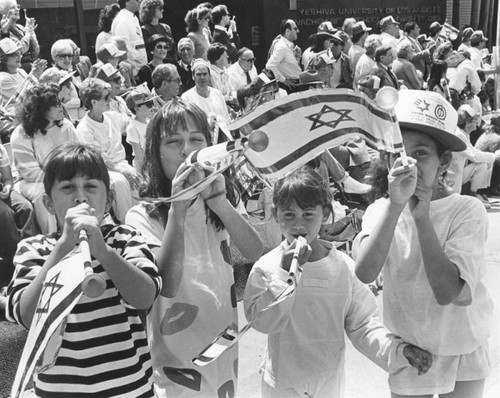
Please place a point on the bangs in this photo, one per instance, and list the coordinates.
(304, 187)
(72, 160)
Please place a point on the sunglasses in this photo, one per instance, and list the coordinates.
(160, 47)
(65, 56)
(178, 80)
(149, 104)
(249, 60)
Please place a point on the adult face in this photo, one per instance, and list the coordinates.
(175, 147)
(393, 30)
(12, 10)
(247, 60)
(186, 53)
(160, 50)
(13, 62)
(172, 85)
(201, 77)
(159, 12)
(203, 22)
(387, 58)
(415, 31)
(337, 49)
(54, 113)
(223, 61)
(64, 59)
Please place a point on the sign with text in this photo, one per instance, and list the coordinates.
(309, 14)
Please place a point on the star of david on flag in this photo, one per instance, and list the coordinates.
(301, 126)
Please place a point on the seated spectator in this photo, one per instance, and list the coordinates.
(320, 41)
(157, 48)
(166, 83)
(16, 218)
(62, 57)
(384, 59)
(342, 71)
(219, 78)
(108, 53)
(209, 99)
(322, 63)
(438, 82)
(112, 76)
(124, 65)
(244, 71)
(404, 70)
(489, 141)
(197, 25)
(63, 81)
(150, 13)
(25, 35)
(42, 128)
(366, 63)
(225, 31)
(104, 130)
(106, 16)
(81, 63)
(479, 165)
(141, 104)
(185, 49)
(14, 81)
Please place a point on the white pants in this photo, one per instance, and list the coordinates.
(479, 174)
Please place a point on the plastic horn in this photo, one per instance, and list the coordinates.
(294, 266)
(387, 98)
(257, 141)
(93, 285)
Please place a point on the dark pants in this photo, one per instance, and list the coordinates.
(16, 222)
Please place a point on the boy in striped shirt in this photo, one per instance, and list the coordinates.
(104, 351)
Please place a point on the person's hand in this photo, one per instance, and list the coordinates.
(186, 176)
(39, 65)
(418, 358)
(30, 25)
(402, 181)
(290, 83)
(297, 51)
(232, 25)
(5, 192)
(420, 201)
(6, 21)
(215, 192)
(82, 217)
(286, 259)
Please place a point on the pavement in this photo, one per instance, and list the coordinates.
(363, 378)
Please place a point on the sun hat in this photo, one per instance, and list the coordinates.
(9, 46)
(477, 37)
(320, 60)
(359, 27)
(388, 20)
(429, 113)
(106, 72)
(326, 27)
(138, 96)
(199, 63)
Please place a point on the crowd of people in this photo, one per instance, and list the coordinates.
(96, 147)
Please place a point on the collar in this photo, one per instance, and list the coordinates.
(288, 42)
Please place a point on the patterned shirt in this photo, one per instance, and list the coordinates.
(104, 351)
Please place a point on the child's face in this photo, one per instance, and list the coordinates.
(295, 221)
(430, 165)
(176, 146)
(66, 194)
(102, 105)
(145, 110)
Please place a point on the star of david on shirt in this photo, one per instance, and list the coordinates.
(46, 296)
(343, 116)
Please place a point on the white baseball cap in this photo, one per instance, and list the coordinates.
(430, 113)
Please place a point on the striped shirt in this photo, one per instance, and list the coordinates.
(104, 351)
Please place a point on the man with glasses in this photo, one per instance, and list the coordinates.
(127, 25)
(222, 19)
(166, 83)
(244, 71)
(342, 76)
(285, 57)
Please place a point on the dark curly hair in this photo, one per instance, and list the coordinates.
(106, 16)
(147, 10)
(36, 102)
(157, 185)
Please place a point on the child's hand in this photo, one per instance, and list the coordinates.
(215, 191)
(418, 358)
(402, 181)
(420, 201)
(286, 260)
(82, 217)
(5, 192)
(186, 176)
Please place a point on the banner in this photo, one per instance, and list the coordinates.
(60, 292)
(300, 126)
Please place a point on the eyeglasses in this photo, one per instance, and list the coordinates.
(249, 60)
(65, 56)
(149, 104)
(160, 47)
(106, 98)
(178, 80)
(116, 80)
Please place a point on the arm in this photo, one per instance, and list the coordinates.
(7, 181)
(24, 157)
(274, 61)
(374, 248)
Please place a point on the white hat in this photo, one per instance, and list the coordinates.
(106, 72)
(429, 112)
(9, 46)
